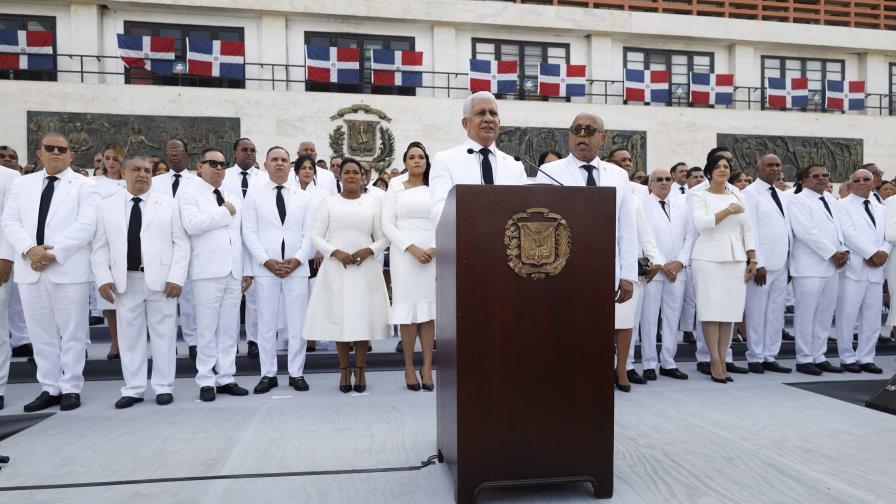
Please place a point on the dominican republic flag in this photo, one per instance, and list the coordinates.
(712, 89)
(646, 86)
(26, 50)
(216, 58)
(152, 53)
(845, 95)
(561, 80)
(337, 65)
(498, 77)
(396, 68)
(786, 93)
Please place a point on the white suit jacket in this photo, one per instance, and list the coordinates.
(264, 234)
(773, 235)
(816, 234)
(162, 183)
(863, 238)
(69, 227)
(640, 191)
(673, 234)
(233, 180)
(164, 244)
(325, 181)
(213, 232)
(646, 242)
(455, 166)
(729, 240)
(6, 178)
(568, 173)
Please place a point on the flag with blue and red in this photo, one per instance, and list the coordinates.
(396, 68)
(26, 50)
(337, 65)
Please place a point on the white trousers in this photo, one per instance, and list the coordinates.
(815, 298)
(17, 327)
(273, 292)
(765, 316)
(661, 296)
(5, 350)
(56, 315)
(251, 315)
(858, 302)
(138, 309)
(217, 302)
(187, 314)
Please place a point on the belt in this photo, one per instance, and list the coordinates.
(135, 269)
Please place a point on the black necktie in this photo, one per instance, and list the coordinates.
(46, 197)
(175, 184)
(681, 189)
(281, 209)
(245, 183)
(590, 182)
(338, 186)
(488, 178)
(665, 211)
(877, 197)
(868, 211)
(134, 225)
(778, 200)
(826, 206)
(219, 197)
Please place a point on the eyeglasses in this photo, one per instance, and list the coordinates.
(589, 130)
(866, 179)
(817, 176)
(662, 179)
(248, 149)
(57, 148)
(220, 165)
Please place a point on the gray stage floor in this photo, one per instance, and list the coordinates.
(755, 440)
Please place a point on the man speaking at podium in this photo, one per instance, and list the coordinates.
(478, 160)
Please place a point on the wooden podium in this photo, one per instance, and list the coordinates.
(525, 375)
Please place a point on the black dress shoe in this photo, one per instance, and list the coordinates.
(398, 348)
(207, 394)
(809, 369)
(164, 399)
(827, 367)
(310, 349)
(756, 367)
(870, 367)
(673, 373)
(264, 385)
(96, 320)
(634, 377)
(650, 374)
(299, 384)
(192, 352)
(734, 368)
(253, 349)
(25, 350)
(427, 387)
(622, 388)
(718, 380)
(232, 389)
(774, 367)
(786, 336)
(689, 337)
(70, 401)
(703, 368)
(42, 402)
(850, 367)
(127, 402)
(729, 379)
(1, 402)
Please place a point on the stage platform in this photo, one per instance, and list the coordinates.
(694, 441)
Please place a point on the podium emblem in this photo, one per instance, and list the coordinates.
(538, 243)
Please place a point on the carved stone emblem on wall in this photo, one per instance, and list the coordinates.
(362, 138)
(841, 156)
(529, 142)
(138, 134)
(538, 243)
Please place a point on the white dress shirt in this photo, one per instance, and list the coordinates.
(164, 182)
(671, 227)
(233, 179)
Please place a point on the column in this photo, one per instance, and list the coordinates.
(444, 59)
(85, 33)
(272, 49)
(747, 73)
(602, 65)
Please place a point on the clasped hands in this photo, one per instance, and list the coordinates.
(356, 258)
(877, 260)
(840, 258)
(40, 257)
(284, 268)
(107, 290)
(422, 256)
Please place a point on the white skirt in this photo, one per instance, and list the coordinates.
(720, 290)
(625, 312)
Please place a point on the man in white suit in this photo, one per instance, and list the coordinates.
(169, 184)
(816, 254)
(49, 219)
(477, 160)
(212, 219)
(139, 259)
(670, 221)
(7, 256)
(860, 296)
(277, 221)
(767, 208)
(623, 159)
(325, 180)
(679, 179)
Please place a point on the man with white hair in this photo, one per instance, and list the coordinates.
(477, 160)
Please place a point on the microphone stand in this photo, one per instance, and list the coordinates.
(533, 165)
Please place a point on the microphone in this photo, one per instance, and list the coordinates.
(471, 151)
(533, 165)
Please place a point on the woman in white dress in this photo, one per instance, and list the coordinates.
(109, 183)
(407, 224)
(305, 172)
(723, 261)
(349, 303)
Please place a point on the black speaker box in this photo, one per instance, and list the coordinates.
(885, 399)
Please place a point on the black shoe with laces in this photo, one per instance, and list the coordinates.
(265, 384)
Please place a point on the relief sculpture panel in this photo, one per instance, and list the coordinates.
(841, 156)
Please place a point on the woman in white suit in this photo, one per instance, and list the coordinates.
(109, 183)
(723, 261)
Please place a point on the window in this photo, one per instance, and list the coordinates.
(679, 64)
(34, 23)
(365, 43)
(892, 89)
(529, 55)
(816, 70)
(180, 34)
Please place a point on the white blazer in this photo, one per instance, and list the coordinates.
(640, 191)
(213, 232)
(233, 180)
(264, 234)
(164, 244)
(325, 181)
(162, 183)
(817, 235)
(645, 235)
(567, 171)
(773, 235)
(729, 240)
(455, 166)
(69, 228)
(674, 234)
(6, 178)
(862, 237)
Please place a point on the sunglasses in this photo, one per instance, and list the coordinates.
(663, 179)
(248, 149)
(58, 148)
(817, 176)
(866, 179)
(214, 163)
(589, 130)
